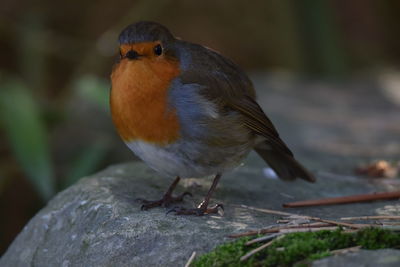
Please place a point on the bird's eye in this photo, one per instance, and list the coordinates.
(158, 50)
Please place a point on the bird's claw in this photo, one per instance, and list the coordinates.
(199, 211)
(165, 201)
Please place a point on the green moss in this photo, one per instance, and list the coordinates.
(298, 248)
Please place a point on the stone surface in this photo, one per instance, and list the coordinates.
(363, 258)
(96, 222)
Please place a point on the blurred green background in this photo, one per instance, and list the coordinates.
(56, 58)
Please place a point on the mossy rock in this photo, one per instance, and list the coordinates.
(298, 248)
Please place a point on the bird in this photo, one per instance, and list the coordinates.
(188, 111)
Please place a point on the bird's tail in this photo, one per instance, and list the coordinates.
(285, 165)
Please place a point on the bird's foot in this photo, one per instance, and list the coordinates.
(166, 201)
(199, 211)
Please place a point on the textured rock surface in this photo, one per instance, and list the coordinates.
(96, 222)
(363, 258)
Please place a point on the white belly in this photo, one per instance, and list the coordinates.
(188, 159)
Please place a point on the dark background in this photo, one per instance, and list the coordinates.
(56, 57)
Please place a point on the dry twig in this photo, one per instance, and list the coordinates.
(292, 228)
(350, 225)
(262, 239)
(344, 200)
(306, 229)
(256, 232)
(190, 260)
(379, 217)
(254, 251)
(316, 224)
(273, 229)
(345, 250)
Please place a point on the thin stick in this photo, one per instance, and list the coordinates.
(389, 224)
(355, 226)
(381, 217)
(256, 232)
(276, 212)
(350, 225)
(345, 250)
(262, 239)
(302, 225)
(190, 260)
(270, 230)
(307, 229)
(284, 229)
(344, 200)
(254, 251)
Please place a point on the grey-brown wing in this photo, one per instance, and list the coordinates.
(273, 150)
(256, 120)
(221, 77)
(224, 83)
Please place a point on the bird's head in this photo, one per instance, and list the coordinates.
(146, 40)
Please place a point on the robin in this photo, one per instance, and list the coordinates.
(187, 111)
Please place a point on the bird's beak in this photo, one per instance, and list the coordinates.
(131, 54)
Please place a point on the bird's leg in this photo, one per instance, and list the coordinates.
(166, 200)
(202, 208)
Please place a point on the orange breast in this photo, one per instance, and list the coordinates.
(138, 100)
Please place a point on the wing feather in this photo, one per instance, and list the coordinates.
(224, 83)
